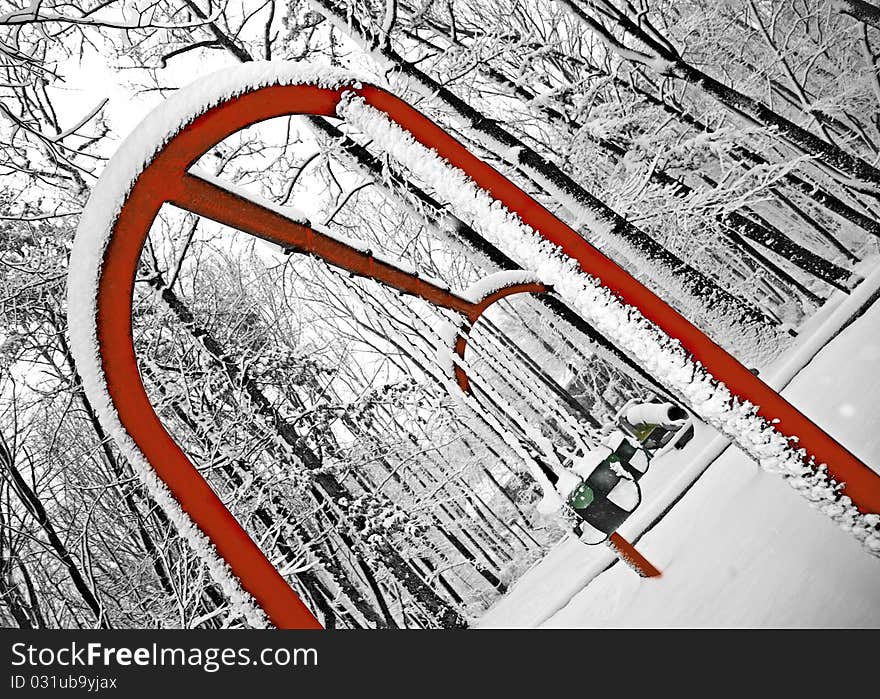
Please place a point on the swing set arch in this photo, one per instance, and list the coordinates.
(167, 179)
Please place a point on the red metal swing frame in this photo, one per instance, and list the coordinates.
(167, 180)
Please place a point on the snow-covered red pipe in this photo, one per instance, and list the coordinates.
(152, 169)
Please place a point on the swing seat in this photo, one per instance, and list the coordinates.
(610, 493)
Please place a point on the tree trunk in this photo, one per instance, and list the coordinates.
(859, 10)
(664, 60)
(734, 224)
(37, 510)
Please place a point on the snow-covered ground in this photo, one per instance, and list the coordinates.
(741, 548)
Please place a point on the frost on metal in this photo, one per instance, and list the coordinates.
(662, 356)
(87, 255)
(496, 281)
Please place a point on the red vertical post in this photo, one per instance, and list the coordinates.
(628, 554)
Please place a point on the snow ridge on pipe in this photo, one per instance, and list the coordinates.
(623, 324)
